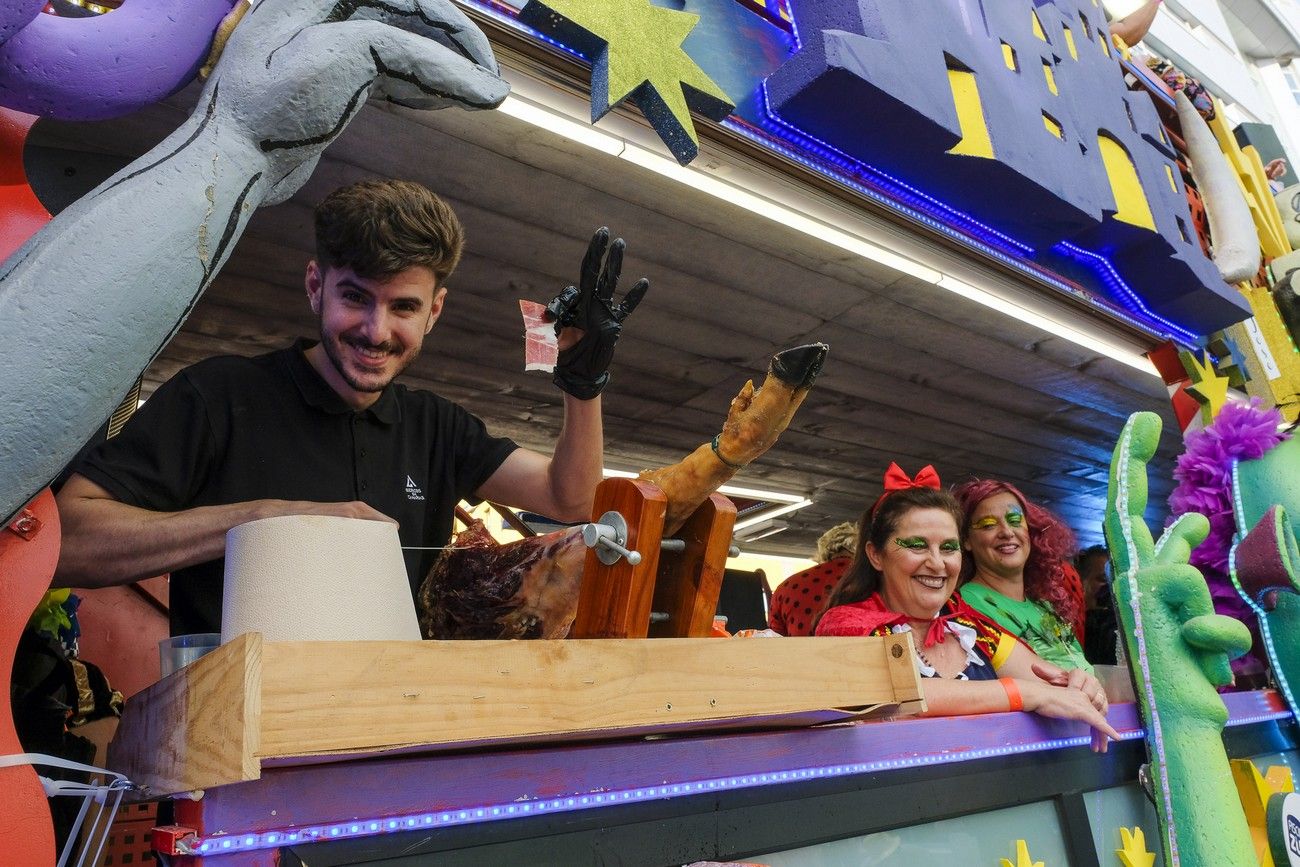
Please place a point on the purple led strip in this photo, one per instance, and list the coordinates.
(221, 844)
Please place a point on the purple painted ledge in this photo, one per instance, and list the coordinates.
(305, 803)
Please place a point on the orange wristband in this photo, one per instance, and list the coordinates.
(1014, 699)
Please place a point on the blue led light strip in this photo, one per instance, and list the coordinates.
(797, 152)
(1103, 268)
(897, 189)
(509, 15)
(221, 844)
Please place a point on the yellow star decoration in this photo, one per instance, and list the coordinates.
(1209, 387)
(1133, 849)
(636, 54)
(1255, 789)
(1022, 857)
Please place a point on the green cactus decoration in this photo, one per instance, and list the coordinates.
(1179, 651)
(1265, 562)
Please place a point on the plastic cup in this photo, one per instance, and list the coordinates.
(180, 650)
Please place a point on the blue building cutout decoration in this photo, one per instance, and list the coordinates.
(1016, 114)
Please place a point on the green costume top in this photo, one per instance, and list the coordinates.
(1035, 623)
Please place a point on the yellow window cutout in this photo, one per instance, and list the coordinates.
(975, 141)
(1050, 76)
(1105, 46)
(1130, 201)
(1052, 126)
(1038, 26)
(1069, 43)
(1173, 185)
(1009, 57)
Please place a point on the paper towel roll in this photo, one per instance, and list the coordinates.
(317, 578)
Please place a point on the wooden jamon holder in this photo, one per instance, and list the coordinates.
(616, 600)
(252, 704)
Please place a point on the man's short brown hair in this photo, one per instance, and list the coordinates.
(380, 227)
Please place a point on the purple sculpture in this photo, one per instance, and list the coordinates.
(102, 66)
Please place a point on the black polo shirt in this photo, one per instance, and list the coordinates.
(230, 430)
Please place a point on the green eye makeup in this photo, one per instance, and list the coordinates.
(918, 543)
(1014, 518)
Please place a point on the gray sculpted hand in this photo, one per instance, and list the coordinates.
(296, 71)
(293, 74)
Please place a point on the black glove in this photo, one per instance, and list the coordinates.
(583, 369)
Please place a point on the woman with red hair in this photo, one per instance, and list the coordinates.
(1019, 573)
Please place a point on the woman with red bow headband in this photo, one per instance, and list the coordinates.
(903, 578)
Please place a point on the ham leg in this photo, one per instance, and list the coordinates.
(529, 588)
(754, 421)
(524, 589)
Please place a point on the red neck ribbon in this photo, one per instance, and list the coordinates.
(897, 480)
(875, 615)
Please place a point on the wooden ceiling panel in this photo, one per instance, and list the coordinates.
(916, 374)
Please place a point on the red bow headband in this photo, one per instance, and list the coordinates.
(897, 480)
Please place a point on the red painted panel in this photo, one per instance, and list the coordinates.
(120, 631)
(21, 213)
(26, 567)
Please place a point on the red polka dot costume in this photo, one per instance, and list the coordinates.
(801, 596)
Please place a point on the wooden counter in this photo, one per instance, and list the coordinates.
(252, 704)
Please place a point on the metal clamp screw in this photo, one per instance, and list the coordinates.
(608, 535)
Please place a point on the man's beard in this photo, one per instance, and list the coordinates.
(333, 352)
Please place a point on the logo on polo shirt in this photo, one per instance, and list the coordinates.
(413, 491)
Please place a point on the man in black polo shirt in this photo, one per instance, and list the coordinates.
(321, 428)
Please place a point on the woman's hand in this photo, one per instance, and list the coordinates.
(1074, 679)
(1068, 702)
(1024, 664)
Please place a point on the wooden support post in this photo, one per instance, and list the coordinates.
(689, 582)
(615, 600)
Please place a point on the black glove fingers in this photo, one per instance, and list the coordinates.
(582, 370)
(591, 263)
(632, 299)
(562, 309)
(609, 274)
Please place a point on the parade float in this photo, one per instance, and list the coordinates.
(612, 745)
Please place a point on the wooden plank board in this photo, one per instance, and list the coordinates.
(249, 703)
(336, 697)
(197, 727)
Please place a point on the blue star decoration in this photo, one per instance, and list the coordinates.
(636, 55)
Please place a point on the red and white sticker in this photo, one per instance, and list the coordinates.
(540, 346)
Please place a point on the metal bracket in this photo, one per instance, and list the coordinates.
(608, 535)
(174, 840)
(26, 525)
